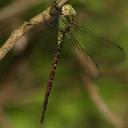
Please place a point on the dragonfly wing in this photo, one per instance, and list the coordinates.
(104, 51)
(90, 66)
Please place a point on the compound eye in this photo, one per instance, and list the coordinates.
(66, 9)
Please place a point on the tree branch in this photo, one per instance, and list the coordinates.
(26, 27)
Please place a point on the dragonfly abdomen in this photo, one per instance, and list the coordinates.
(61, 37)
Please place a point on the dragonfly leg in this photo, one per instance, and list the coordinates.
(52, 23)
(55, 12)
(55, 9)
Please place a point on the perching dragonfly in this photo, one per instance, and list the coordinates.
(102, 52)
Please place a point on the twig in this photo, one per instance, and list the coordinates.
(100, 104)
(26, 27)
(94, 95)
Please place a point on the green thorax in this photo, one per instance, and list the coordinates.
(67, 16)
(66, 20)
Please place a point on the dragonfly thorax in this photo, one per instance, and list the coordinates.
(69, 28)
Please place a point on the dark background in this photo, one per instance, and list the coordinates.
(24, 71)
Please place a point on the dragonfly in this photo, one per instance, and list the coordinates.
(99, 50)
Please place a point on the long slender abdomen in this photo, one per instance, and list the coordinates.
(52, 73)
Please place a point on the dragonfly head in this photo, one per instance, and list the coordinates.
(68, 10)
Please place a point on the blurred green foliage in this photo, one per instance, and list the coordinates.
(69, 105)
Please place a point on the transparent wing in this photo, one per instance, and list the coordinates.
(91, 68)
(105, 52)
